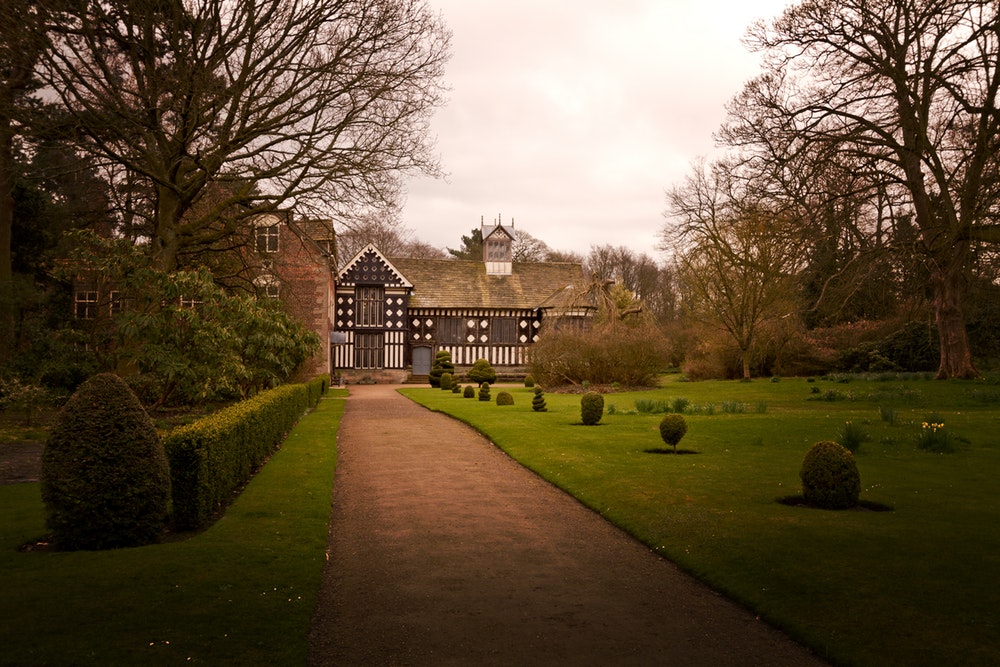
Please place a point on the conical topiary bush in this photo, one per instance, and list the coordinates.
(105, 478)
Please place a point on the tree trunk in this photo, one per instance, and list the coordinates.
(166, 243)
(6, 234)
(948, 280)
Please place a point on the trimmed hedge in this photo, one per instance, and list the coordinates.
(214, 457)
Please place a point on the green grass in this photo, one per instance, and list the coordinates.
(240, 593)
(914, 586)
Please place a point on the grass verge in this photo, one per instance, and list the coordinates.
(914, 586)
(240, 593)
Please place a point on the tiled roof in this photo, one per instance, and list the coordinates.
(317, 230)
(448, 283)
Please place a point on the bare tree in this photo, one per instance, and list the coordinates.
(383, 230)
(910, 86)
(318, 105)
(649, 283)
(527, 248)
(736, 264)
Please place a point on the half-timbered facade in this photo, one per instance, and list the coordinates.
(392, 315)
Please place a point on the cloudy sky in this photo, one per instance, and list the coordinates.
(572, 117)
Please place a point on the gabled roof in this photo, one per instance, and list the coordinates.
(370, 267)
(449, 283)
(499, 228)
(317, 230)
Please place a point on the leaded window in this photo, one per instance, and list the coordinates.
(371, 309)
(451, 330)
(503, 331)
(368, 350)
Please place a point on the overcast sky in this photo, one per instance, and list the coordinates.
(574, 116)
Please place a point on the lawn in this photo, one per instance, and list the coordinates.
(915, 585)
(240, 593)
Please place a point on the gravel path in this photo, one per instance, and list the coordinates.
(444, 551)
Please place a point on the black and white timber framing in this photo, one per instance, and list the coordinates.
(397, 313)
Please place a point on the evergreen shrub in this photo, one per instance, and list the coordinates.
(672, 429)
(481, 372)
(442, 365)
(591, 408)
(538, 401)
(484, 391)
(529, 381)
(445, 381)
(105, 480)
(830, 477)
(469, 391)
(505, 398)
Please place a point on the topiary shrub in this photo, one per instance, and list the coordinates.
(481, 372)
(456, 388)
(830, 477)
(504, 398)
(591, 408)
(442, 365)
(529, 381)
(538, 401)
(672, 429)
(484, 391)
(105, 480)
(469, 391)
(445, 381)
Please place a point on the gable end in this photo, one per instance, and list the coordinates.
(370, 267)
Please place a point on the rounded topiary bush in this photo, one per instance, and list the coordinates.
(481, 371)
(469, 391)
(529, 381)
(456, 388)
(105, 479)
(591, 408)
(445, 381)
(505, 398)
(484, 391)
(830, 477)
(538, 401)
(672, 429)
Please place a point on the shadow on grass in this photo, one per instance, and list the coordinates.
(863, 505)
(663, 450)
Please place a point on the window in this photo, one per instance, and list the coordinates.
(368, 350)
(451, 330)
(85, 305)
(267, 238)
(497, 250)
(272, 290)
(115, 305)
(370, 307)
(503, 330)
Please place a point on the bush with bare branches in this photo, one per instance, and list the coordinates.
(629, 356)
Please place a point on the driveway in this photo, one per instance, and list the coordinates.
(444, 551)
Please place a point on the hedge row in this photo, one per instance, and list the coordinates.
(213, 457)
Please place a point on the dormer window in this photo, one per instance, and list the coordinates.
(498, 251)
